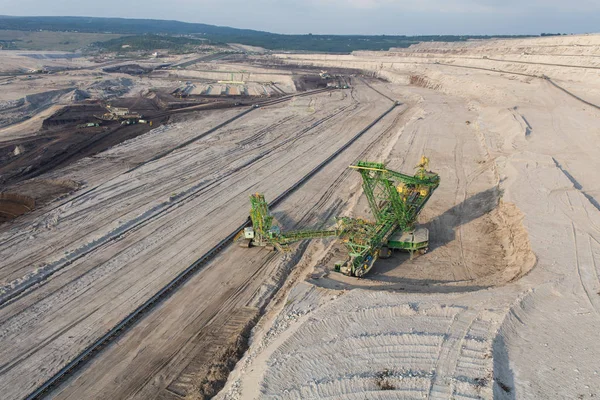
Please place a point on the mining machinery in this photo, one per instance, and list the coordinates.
(395, 200)
(264, 233)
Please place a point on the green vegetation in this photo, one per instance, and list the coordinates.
(332, 43)
(310, 43)
(8, 45)
(115, 25)
(181, 36)
(149, 43)
(62, 41)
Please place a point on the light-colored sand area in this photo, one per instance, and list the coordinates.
(506, 304)
(135, 230)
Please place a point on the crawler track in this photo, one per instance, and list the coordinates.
(182, 277)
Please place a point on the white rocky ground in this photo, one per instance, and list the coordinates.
(529, 333)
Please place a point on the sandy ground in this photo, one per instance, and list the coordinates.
(506, 303)
(158, 219)
(154, 358)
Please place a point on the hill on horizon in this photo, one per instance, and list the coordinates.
(223, 34)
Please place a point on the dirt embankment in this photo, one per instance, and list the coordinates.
(19, 110)
(25, 197)
(12, 205)
(64, 142)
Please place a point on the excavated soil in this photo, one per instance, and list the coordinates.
(495, 250)
(12, 205)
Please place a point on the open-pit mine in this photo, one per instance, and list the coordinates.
(412, 223)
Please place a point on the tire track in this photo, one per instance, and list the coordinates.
(460, 197)
(198, 137)
(138, 313)
(442, 385)
(13, 290)
(586, 270)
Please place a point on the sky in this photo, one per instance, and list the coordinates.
(371, 17)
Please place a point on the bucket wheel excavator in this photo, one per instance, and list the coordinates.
(395, 200)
